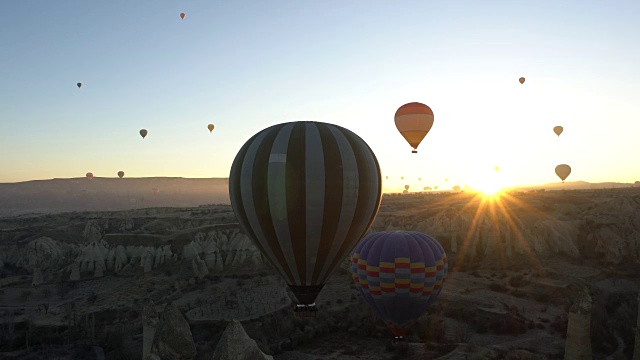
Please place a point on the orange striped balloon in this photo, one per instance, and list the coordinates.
(414, 121)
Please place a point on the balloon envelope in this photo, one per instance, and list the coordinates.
(496, 168)
(563, 171)
(120, 174)
(143, 133)
(305, 193)
(419, 179)
(210, 127)
(79, 85)
(399, 275)
(406, 187)
(182, 16)
(521, 80)
(414, 121)
(401, 177)
(558, 130)
(89, 175)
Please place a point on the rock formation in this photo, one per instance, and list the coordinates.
(636, 350)
(173, 338)
(44, 253)
(93, 256)
(578, 343)
(235, 344)
(149, 323)
(75, 271)
(92, 231)
(37, 277)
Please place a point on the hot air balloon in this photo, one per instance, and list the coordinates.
(182, 16)
(435, 187)
(120, 174)
(401, 177)
(399, 274)
(521, 80)
(386, 178)
(406, 187)
(563, 171)
(143, 133)
(79, 85)
(456, 188)
(496, 168)
(210, 127)
(414, 120)
(424, 188)
(89, 175)
(446, 179)
(419, 179)
(558, 130)
(305, 193)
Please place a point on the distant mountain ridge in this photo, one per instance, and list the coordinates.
(109, 194)
(574, 185)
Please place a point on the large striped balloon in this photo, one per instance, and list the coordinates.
(399, 274)
(305, 193)
(414, 121)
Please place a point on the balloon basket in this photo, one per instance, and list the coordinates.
(306, 310)
(414, 151)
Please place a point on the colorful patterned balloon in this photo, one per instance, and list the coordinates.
(399, 274)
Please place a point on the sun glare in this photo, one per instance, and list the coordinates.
(489, 187)
(490, 190)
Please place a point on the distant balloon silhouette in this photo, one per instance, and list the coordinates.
(386, 177)
(419, 179)
(563, 171)
(210, 127)
(496, 168)
(558, 130)
(435, 187)
(456, 188)
(425, 188)
(401, 177)
(182, 15)
(89, 175)
(406, 187)
(120, 174)
(399, 275)
(305, 193)
(79, 85)
(521, 80)
(143, 133)
(446, 179)
(414, 121)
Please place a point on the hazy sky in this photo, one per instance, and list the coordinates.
(248, 65)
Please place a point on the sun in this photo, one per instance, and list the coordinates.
(489, 187)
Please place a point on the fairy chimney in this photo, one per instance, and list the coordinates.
(578, 343)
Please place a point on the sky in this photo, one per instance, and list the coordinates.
(245, 66)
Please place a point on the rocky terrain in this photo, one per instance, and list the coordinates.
(81, 282)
